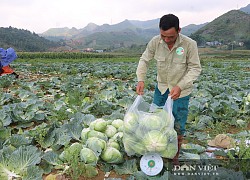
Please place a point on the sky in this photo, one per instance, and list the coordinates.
(40, 15)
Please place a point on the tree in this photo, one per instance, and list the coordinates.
(247, 44)
(198, 38)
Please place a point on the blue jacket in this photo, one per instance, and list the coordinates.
(7, 56)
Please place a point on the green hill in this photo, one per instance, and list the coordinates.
(230, 27)
(63, 32)
(123, 34)
(191, 28)
(105, 40)
(246, 9)
(23, 40)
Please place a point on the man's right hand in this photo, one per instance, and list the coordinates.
(140, 88)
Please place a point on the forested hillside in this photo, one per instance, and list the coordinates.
(231, 27)
(24, 40)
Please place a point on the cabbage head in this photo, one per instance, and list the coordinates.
(140, 132)
(139, 148)
(110, 131)
(167, 119)
(133, 145)
(93, 133)
(155, 141)
(130, 122)
(92, 125)
(62, 156)
(117, 136)
(128, 148)
(109, 122)
(84, 134)
(88, 156)
(117, 123)
(74, 147)
(120, 129)
(172, 136)
(170, 151)
(98, 125)
(113, 143)
(112, 155)
(193, 148)
(152, 122)
(96, 144)
(20, 163)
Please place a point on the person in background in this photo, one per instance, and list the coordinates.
(178, 66)
(6, 57)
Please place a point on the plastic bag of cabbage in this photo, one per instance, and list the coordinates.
(145, 132)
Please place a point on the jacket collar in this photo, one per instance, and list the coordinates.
(178, 41)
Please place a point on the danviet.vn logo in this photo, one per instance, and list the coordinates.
(195, 170)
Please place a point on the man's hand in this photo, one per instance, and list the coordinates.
(175, 92)
(140, 88)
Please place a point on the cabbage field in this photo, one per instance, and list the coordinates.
(63, 118)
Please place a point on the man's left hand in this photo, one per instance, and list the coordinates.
(175, 92)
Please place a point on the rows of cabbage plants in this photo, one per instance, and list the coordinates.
(67, 117)
(65, 55)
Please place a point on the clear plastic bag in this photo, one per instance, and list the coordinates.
(150, 130)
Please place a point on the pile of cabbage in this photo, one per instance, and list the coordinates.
(146, 132)
(100, 141)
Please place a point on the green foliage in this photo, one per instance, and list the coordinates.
(42, 135)
(231, 26)
(50, 108)
(128, 167)
(20, 163)
(112, 39)
(247, 43)
(6, 81)
(198, 38)
(88, 156)
(62, 55)
(112, 155)
(53, 158)
(72, 156)
(239, 157)
(24, 40)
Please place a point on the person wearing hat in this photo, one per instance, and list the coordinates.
(178, 66)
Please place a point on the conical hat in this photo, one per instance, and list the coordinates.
(222, 141)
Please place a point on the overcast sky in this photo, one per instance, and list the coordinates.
(40, 15)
